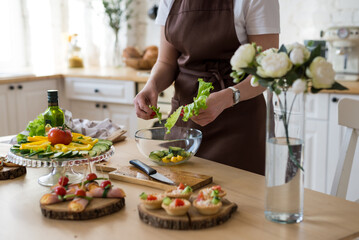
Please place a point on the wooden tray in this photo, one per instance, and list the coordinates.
(133, 175)
(192, 221)
(98, 207)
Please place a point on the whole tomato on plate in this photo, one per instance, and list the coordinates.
(61, 135)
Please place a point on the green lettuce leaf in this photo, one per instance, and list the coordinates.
(158, 114)
(191, 109)
(171, 120)
(36, 127)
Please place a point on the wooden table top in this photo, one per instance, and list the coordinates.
(325, 216)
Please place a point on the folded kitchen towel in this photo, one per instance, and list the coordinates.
(105, 129)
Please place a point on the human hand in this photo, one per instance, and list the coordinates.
(146, 97)
(216, 103)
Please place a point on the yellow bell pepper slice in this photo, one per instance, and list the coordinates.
(166, 160)
(39, 145)
(79, 147)
(61, 147)
(37, 138)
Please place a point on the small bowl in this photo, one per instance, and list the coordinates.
(173, 148)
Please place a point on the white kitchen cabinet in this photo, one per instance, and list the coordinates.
(22, 102)
(97, 99)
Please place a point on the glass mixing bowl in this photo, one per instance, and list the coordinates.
(168, 149)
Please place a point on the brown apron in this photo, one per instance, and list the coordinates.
(203, 32)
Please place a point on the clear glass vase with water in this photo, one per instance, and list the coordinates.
(284, 157)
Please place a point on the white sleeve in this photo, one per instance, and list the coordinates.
(163, 11)
(262, 17)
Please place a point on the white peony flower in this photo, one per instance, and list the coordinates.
(298, 53)
(254, 81)
(243, 57)
(273, 65)
(299, 86)
(321, 72)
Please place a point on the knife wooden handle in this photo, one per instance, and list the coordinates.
(140, 165)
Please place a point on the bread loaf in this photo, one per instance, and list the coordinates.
(134, 59)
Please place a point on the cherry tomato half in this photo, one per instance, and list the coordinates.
(105, 183)
(151, 197)
(179, 202)
(91, 176)
(217, 187)
(63, 181)
(80, 192)
(59, 135)
(181, 186)
(60, 191)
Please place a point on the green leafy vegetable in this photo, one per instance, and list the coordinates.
(189, 110)
(171, 120)
(158, 114)
(35, 128)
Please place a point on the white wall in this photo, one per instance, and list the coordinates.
(304, 19)
(300, 19)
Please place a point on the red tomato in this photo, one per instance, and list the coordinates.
(179, 202)
(151, 197)
(91, 176)
(181, 186)
(105, 183)
(60, 191)
(59, 135)
(200, 196)
(80, 192)
(63, 181)
(217, 187)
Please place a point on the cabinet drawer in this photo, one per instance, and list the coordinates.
(114, 91)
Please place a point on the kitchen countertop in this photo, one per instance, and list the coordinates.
(121, 73)
(325, 216)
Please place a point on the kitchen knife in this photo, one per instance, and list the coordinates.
(151, 172)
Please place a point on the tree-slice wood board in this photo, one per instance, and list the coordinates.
(193, 220)
(133, 175)
(12, 172)
(98, 207)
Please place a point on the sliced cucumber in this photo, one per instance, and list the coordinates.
(16, 146)
(100, 148)
(36, 152)
(75, 153)
(84, 153)
(154, 156)
(58, 155)
(104, 141)
(25, 151)
(14, 150)
(66, 154)
(92, 153)
(46, 154)
(175, 150)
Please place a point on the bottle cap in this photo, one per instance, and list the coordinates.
(52, 95)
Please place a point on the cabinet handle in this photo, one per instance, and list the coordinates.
(335, 99)
(96, 90)
(162, 94)
(11, 87)
(104, 106)
(97, 105)
(19, 87)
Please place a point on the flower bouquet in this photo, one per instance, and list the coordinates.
(288, 73)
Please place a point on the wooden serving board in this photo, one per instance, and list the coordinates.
(98, 207)
(192, 221)
(9, 172)
(12, 172)
(133, 175)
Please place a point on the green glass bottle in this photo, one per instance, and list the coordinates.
(53, 116)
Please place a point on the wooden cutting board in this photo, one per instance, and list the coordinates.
(9, 172)
(133, 175)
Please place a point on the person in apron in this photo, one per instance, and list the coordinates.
(198, 40)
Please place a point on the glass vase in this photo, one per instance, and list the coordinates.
(284, 156)
(117, 54)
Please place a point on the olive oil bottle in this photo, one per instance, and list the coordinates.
(53, 116)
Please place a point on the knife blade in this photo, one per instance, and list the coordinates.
(151, 172)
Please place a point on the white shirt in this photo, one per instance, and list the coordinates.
(251, 17)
